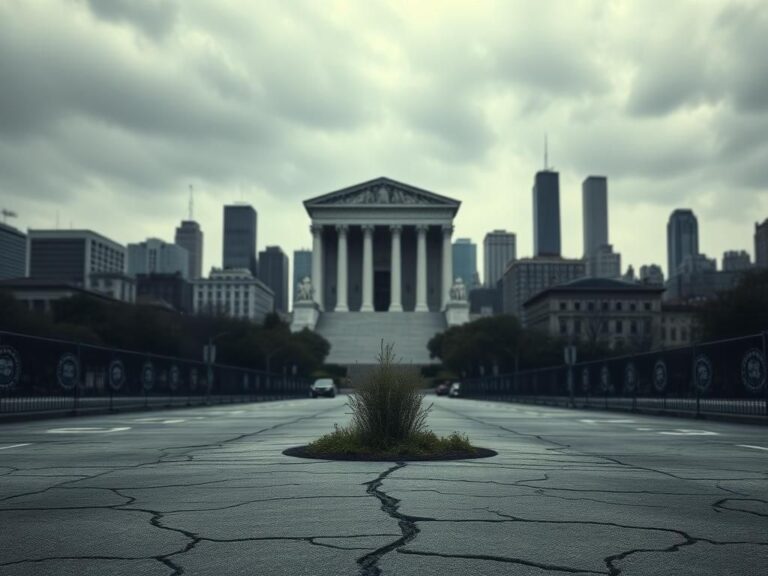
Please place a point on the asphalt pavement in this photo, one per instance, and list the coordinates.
(208, 491)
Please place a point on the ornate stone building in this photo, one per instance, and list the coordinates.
(381, 246)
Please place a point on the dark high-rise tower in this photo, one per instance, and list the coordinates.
(682, 239)
(190, 237)
(761, 244)
(240, 237)
(594, 198)
(546, 214)
(273, 268)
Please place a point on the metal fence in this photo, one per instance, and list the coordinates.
(727, 377)
(43, 374)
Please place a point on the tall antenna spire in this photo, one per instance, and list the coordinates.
(191, 201)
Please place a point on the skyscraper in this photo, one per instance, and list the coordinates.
(302, 268)
(682, 239)
(190, 237)
(594, 198)
(13, 253)
(240, 237)
(761, 244)
(273, 268)
(546, 214)
(465, 261)
(499, 249)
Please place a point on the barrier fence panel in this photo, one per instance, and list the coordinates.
(43, 374)
(722, 377)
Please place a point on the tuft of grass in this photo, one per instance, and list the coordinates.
(348, 441)
(389, 418)
(388, 406)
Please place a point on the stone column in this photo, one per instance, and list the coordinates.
(421, 269)
(317, 264)
(367, 305)
(447, 266)
(395, 303)
(341, 271)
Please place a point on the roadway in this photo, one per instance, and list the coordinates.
(207, 490)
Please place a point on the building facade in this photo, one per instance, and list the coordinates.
(240, 226)
(527, 277)
(465, 262)
(603, 262)
(153, 256)
(273, 271)
(761, 244)
(232, 292)
(72, 256)
(190, 237)
(736, 261)
(169, 290)
(682, 239)
(598, 311)
(499, 249)
(382, 246)
(13, 253)
(680, 325)
(116, 285)
(652, 274)
(546, 214)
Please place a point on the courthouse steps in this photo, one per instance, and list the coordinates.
(356, 337)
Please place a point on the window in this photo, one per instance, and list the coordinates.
(563, 306)
(633, 327)
(619, 327)
(563, 327)
(673, 334)
(577, 327)
(605, 306)
(647, 306)
(577, 305)
(591, 306)
(632, 307)
(618, 306)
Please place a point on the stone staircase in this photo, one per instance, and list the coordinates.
(356, 337)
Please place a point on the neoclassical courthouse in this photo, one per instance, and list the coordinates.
(382, 268)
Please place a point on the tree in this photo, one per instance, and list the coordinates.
(738, 312)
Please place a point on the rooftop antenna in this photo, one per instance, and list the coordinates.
(191, 201)
(8, 214)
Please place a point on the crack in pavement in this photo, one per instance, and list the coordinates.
(504, 559)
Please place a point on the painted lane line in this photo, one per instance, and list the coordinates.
(87, 430)
(753, 447)
(689, 432)
(644, 429)
(13, 446)
(613, 421)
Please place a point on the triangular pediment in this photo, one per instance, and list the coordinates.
(382, 192)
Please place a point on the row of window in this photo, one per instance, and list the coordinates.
(579, 327)
(605, 306)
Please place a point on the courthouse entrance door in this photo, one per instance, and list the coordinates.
(382, 290)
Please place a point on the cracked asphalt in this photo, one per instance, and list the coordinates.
(208, 491)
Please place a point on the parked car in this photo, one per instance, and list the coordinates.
(323, 387)
(455, 390)
(442, 389)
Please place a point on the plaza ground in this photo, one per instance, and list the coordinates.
(208, 491)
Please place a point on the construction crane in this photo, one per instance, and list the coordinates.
(8, 214)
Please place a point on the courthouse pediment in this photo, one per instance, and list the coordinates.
(382, 192)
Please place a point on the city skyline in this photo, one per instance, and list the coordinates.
(662, 144)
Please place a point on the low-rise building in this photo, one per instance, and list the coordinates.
(39, 294)
(598, 310)
(680, 325)
(736, 261)
(115, 285)
(154, 256)
(652, 274)
(603, 262)
(527, 277)
(167, 290)
(233, 292)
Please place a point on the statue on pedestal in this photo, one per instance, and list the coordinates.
(458, 290)
(304, 290)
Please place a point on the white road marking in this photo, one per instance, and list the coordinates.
(615, 421)
(688, 432)
(643, 429)
(87, 430)
(753, 447)
(13, 446)
(159, 420)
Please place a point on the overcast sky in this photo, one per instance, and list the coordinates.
(110, 109)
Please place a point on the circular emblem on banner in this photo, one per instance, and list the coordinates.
(116, 374)
(702, 372)
(630, 377)
(148, 375)
(174, 378)
(605, 379)
(585, 379)
(10, 367)
(753, 370)
(68, 371)
(660, 375)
